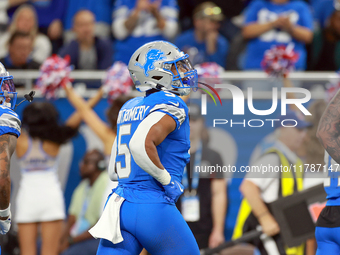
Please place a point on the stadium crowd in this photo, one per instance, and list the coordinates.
(232, 33)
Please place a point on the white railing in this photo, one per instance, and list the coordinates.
(311, 78)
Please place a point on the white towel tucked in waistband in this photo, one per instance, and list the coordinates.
(108, 226)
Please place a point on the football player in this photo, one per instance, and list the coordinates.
(327, 232)
(149, 156)
(9, 132)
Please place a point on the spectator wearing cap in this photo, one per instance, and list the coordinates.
(204, 43)
(261, 189)
(136, 22)
(87, 51)
(325, 54)
(204, 201)
(276, 22)
(19, 52)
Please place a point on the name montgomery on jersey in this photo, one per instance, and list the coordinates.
(136, 113)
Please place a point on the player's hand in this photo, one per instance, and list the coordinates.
(142, 5)
(285, 24)
(173, 190)
(269, 225)
(5, 224)
(154, 8)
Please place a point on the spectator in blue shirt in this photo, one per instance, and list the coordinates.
(136, 22)
(276, 22)
(204, 43)
(87, 51)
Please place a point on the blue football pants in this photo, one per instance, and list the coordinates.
(328, 240)
(159, 228)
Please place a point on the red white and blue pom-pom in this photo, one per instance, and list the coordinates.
(209, 70)
(279, 60)
(118, 81)
(54, 74)
(209, 73)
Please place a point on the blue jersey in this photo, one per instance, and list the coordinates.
(9, 121)
(186, 41)
(136, 185)
(298, 12)
(332, 183)
(146, 29)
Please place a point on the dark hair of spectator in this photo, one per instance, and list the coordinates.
(18, 34)
(41, 120)
(112, 112)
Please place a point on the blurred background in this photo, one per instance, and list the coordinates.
(227, 39)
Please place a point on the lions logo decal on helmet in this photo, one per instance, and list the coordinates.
(151, 57)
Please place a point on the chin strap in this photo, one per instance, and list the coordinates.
(28, 97)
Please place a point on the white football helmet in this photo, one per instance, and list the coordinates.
(8, 96)
(150, 68)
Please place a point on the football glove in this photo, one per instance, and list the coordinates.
(173, 190)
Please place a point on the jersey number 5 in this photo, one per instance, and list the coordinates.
(123, 149)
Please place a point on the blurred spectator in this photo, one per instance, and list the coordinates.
(86, 206)
(25, 20)
(4, 5)
(136, 22)
(20, 49)
(230, 9)
(204, 43)
(40, 201)
(102, 10)
(87, 51)
(204, 201)
(276, 22)
(325, 55)
(260, 190)
(50, 15)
